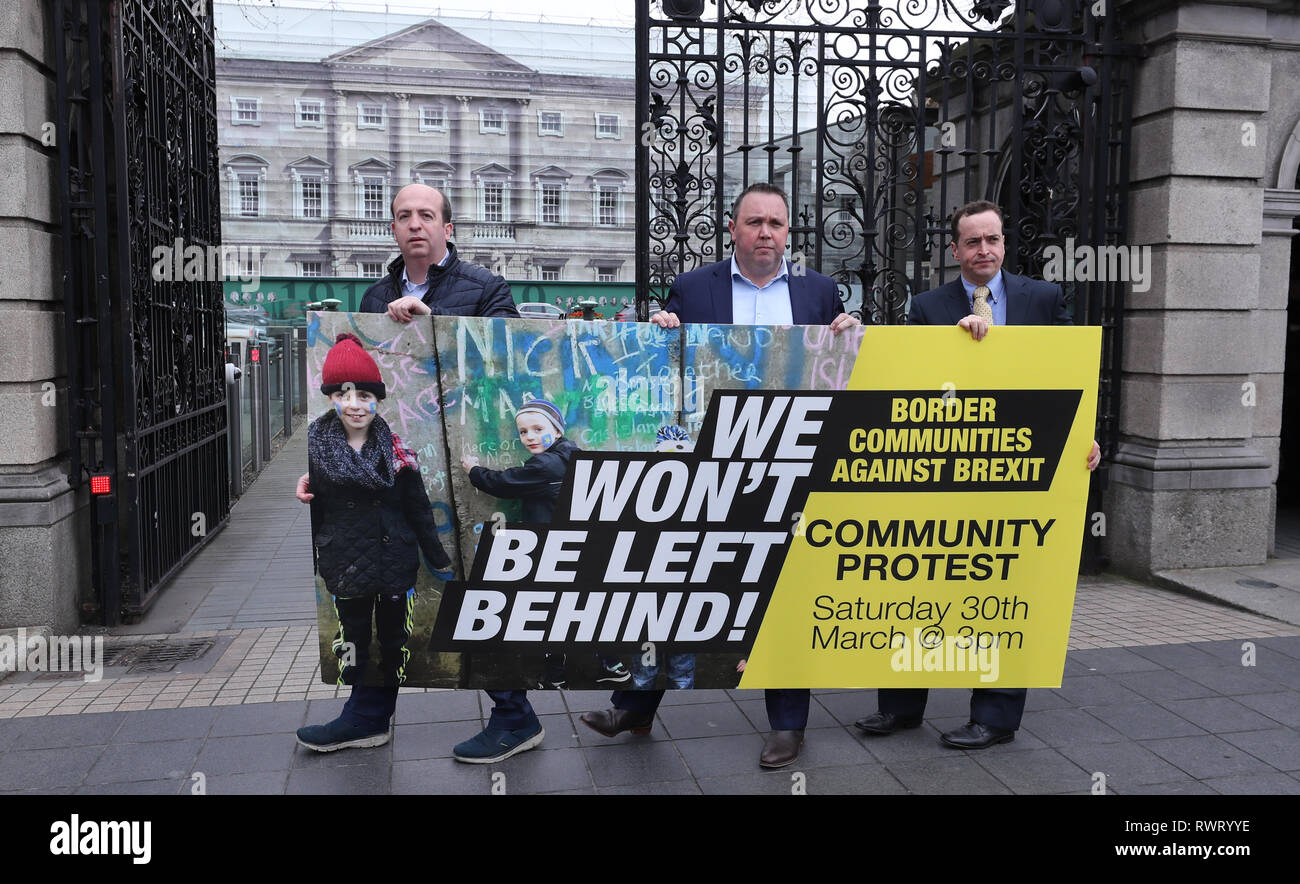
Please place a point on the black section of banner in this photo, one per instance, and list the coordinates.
(975, 440)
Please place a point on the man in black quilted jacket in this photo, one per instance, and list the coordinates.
(428, 278)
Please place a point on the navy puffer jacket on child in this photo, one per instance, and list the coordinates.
(537, 481)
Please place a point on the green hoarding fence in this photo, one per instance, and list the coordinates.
(285, 298)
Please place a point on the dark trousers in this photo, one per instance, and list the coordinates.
(372, 706)
(787, 710)
(995, 707)
(391, 614)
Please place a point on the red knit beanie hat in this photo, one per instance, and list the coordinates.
(347, 362)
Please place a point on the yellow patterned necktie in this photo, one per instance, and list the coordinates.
(981, 306)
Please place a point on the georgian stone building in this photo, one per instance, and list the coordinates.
(319, 127)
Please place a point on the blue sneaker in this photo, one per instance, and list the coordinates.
(495, 744)
(339, 734)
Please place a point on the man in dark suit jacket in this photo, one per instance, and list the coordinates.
(981, 297)
(755, 287)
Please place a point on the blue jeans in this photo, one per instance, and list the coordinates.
(678, 668)
(372, 707)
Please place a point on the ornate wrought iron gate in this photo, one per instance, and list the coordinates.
(879, 118)
(138, 171)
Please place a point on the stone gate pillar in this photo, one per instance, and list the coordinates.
(1192, 484)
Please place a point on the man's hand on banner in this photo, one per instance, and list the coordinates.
(978, 326)
(664, 319)
(301, 491)
(843, 321)
(1094, 456)
(469, 461)
(406, 308)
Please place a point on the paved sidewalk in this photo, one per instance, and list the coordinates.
(1162, 693)
(1181, 718)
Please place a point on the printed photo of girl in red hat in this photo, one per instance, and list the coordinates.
(370, 520)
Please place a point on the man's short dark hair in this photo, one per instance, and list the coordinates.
(446, 204)
(978, 207)
(760, 187)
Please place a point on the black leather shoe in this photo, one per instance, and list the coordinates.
(780, 749)
(882, 724)
(612, 722)
(974, 735)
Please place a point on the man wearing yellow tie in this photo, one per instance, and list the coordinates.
(982, 297)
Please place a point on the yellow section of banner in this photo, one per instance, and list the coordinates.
(953, 588)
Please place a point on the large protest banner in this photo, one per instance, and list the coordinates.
(825, 536)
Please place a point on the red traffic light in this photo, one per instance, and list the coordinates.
(101, 484)
(255, 354)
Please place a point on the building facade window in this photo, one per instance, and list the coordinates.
(551, 195)
(552, 203)
(433, 118)
(493, 201)
(607, 206)
(246, 111)
(372, 198)
(310, 113)
(492, 121)
(370, 116)
(246, 186)
(493, 184)
(309, 187)
(313, 269)
(372, 269)
(550, 272)
(607, 126)
(311, 195)
(550, 123)
(250, 195)
(606, 274)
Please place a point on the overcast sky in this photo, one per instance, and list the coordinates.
(614, 12)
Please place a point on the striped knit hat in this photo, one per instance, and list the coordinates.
(547, 410)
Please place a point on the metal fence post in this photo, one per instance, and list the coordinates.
(235, 437)
(301, 351)
(286, 380)
(254, 410)
(264, 401)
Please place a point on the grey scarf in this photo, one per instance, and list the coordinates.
(331, 457)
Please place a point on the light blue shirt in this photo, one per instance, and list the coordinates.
(422, 289)
(996, 299)
(769, 305)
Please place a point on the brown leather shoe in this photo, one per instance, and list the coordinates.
(612, 722)
(780, 749)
